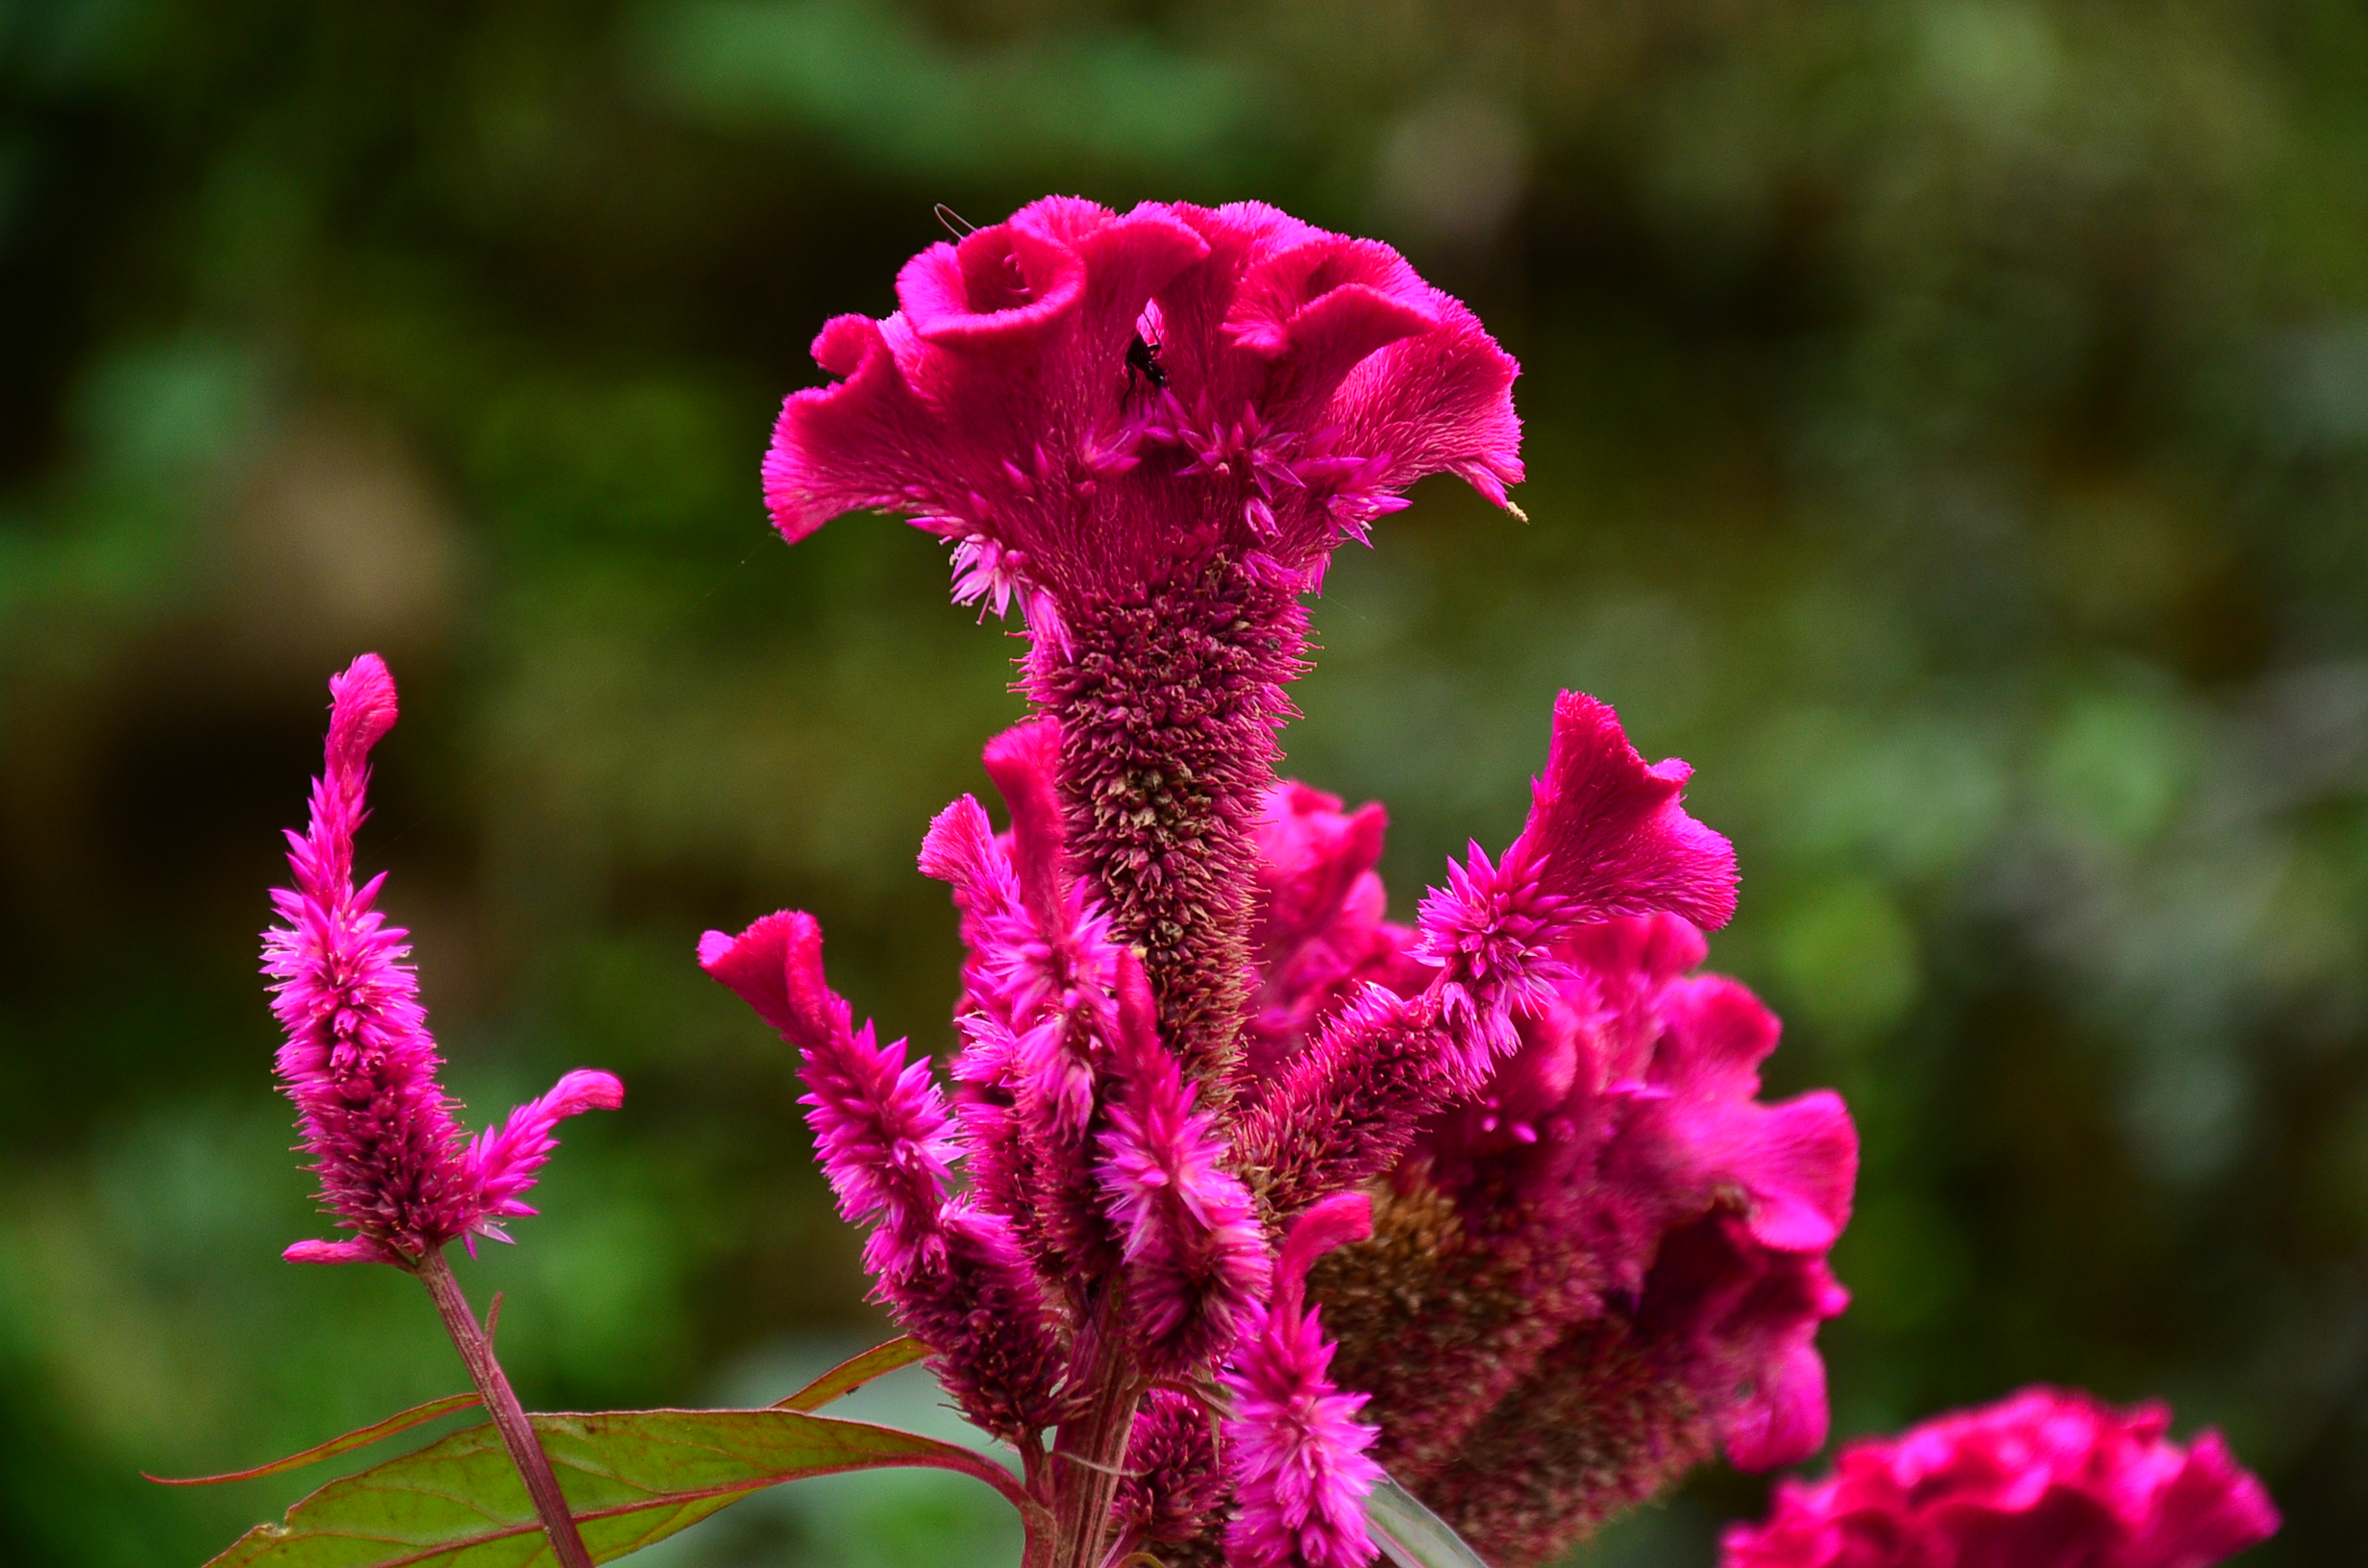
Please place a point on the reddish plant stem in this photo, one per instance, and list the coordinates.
(509, 1418)
(1090, 1454)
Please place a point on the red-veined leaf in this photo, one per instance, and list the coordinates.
(630, 1477)
(360, 1437)
(853, 1373)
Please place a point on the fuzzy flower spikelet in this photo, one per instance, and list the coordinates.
(358, 1059)
(951, 1272)
(1297, 1451)
(2048, 1479)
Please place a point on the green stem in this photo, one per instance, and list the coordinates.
(510, 1417)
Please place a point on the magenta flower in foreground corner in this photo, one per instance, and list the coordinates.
(358, 1061)
(2048, 1479)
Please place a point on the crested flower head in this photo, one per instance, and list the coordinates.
(357, 1058)
(1079, 401)
(1148, 431)
(2047, 1479)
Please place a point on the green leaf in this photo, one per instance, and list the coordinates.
(836, 1384)
(853, 1373)
(365, 1437)
(1411, 1535)
(630, 1478)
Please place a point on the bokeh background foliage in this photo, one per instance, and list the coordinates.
(1948, 428)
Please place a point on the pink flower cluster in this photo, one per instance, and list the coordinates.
(1610, 1191)
(1239, 1189)
(2048, 1479)
(358, 1061)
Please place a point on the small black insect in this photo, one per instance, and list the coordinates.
(1142, 359)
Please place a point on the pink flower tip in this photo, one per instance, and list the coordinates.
(338, 1252)
(506, 1163)
(775, 966)
(1606, 833)
(1298, 1456)
(361, 710)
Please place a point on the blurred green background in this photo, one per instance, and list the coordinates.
(1948, 428)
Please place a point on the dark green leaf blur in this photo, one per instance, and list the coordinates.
(1948, 429)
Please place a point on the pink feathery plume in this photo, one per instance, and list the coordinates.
(1606, 837)
(1037, 1014)
(961, 849)
(1347, 1108)
(951, 1273)
(504, 1163)
(2048, 1477)
(358, 1059)
(1293, 1447)
(1195, 1254)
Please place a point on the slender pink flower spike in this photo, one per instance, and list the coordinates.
(1156, 531)
(1037, 1010)
(951, 1272)
(2048, 1479)
(361, 1067)
(358, 1059)
(1293, 1446)
(1195, 1254)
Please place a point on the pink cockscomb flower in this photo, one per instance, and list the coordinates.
(2047, 1479)
(1294, 1445)
(1188, 1026)
(1148, 431)
(358, 1059)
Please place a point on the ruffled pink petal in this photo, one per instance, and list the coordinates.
(865, 441)
(1438, 402)
(1786, 1418)
(1003, 287)
(1606, 833)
